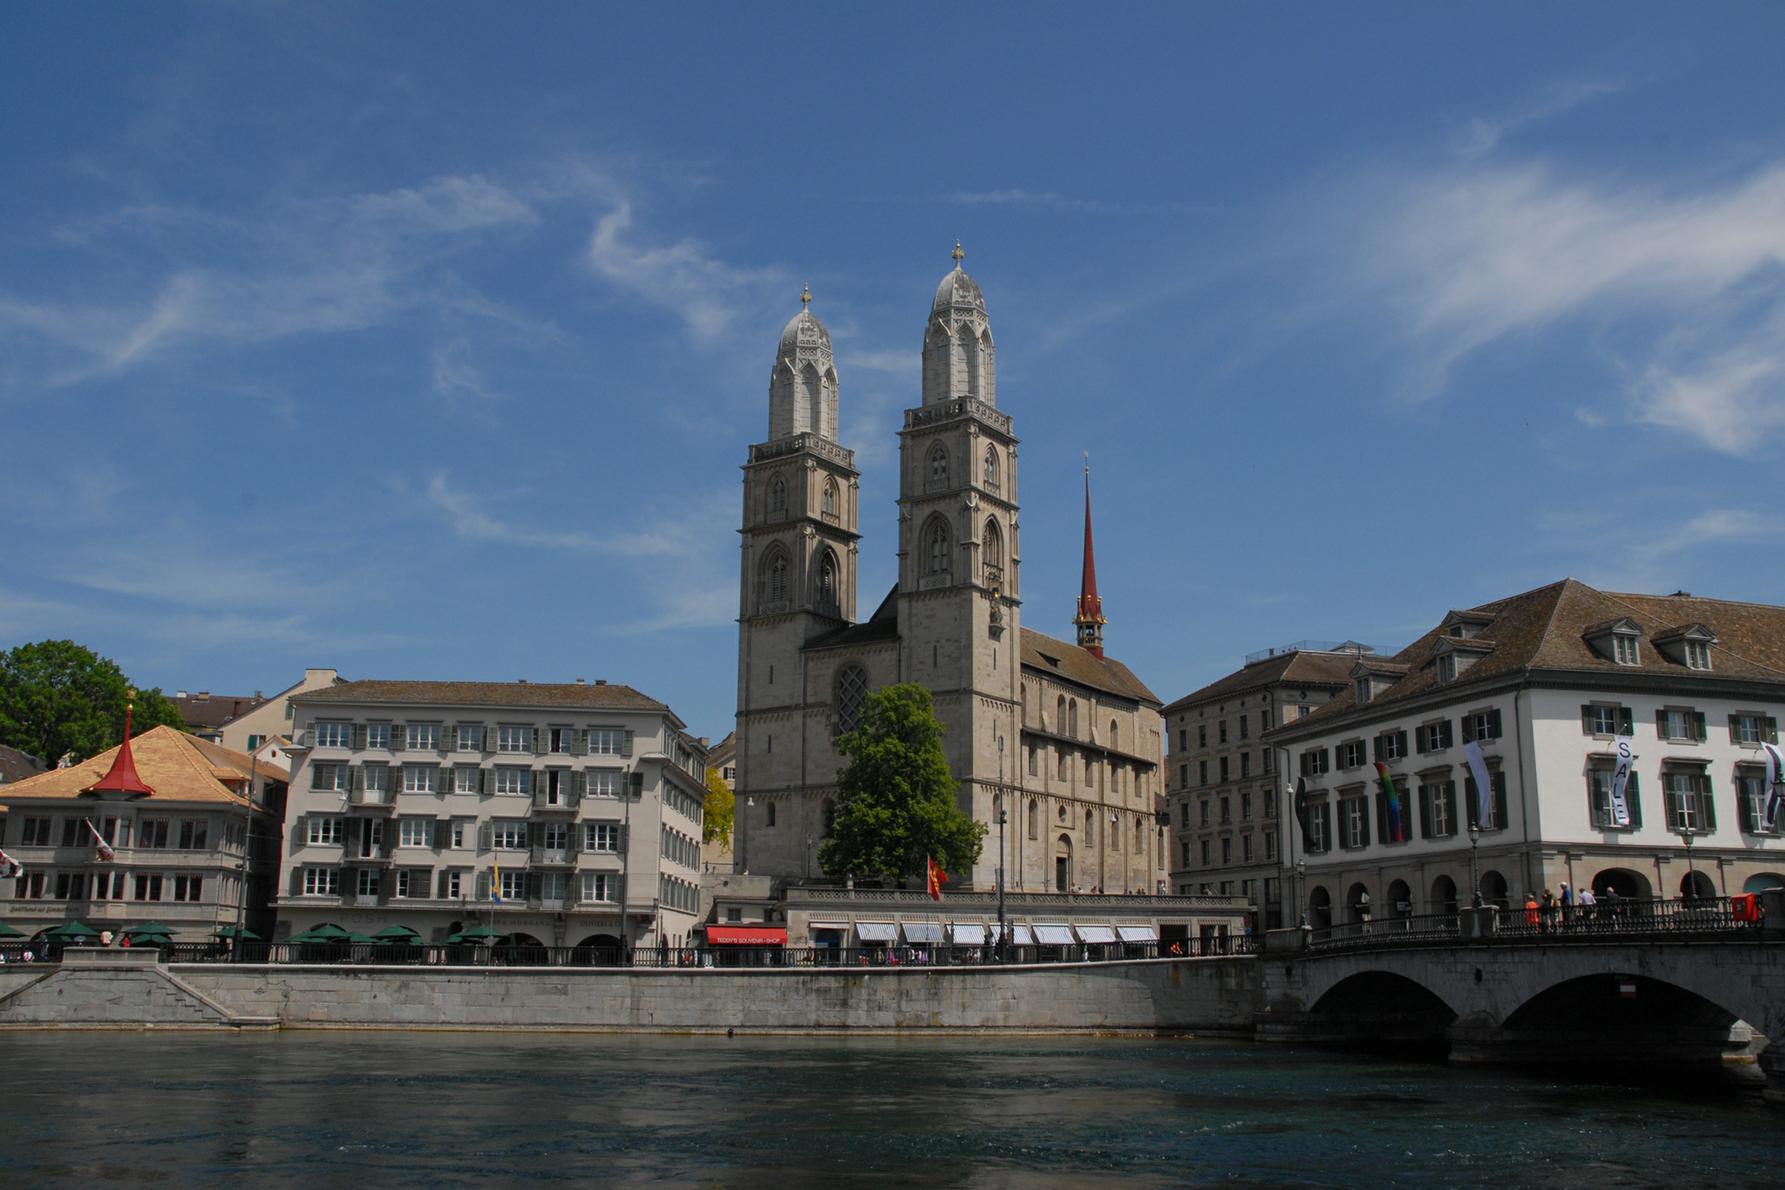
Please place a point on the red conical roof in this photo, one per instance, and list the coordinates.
(1089, 619)
(122, 777)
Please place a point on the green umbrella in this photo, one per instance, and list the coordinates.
(72, 929)
(151, 927)
(7, 931)
(150, 939)
(230, 932)
(328, 929)
(481, 932)
(396, 934)
(356, 939)
(313, 936)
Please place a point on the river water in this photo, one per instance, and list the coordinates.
(445, 1109)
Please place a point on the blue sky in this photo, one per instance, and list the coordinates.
(425, 340)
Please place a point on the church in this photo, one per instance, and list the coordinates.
(1054, 734)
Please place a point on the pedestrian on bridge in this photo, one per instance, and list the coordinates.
(1567, 903)
(1533, 915)
(1587, 902)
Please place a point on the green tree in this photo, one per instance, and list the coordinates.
(59, 697)
(896, 797)
(720, 808)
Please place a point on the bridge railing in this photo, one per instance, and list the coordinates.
(1621, 920)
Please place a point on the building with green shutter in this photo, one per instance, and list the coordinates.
(1546, 684)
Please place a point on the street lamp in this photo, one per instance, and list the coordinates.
(1301, 891)
(1475, 864)
(1691, 888)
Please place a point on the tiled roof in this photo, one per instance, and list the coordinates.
(16, 765)
(178, 767)
(571, 695)
(212, 710)
(1286, 669)
(1546, 629)
(1057, 657)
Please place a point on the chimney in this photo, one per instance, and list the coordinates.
(601, 681)
(179, 694)
(579, 681)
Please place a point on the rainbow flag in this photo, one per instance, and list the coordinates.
(1392, 798)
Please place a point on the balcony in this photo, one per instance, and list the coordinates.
(554, 857)
(547, 802)
(372, 799)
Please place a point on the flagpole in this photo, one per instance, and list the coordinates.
(247, 849)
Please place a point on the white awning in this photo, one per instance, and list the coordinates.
(1054, 935)
(1022, 935)
(877, 931)
(967, 933)
(1095, 934)
(827, 925)
(923, 931)
(1138, 933)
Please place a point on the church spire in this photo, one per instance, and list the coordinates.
(122, 778)
(1089, 619)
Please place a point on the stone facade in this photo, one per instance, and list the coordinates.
(1067, 741)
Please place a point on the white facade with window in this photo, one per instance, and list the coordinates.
(1545, 682)
(561, 813)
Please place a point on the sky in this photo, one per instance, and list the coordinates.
(426, 340)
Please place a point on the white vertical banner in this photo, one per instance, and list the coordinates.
(1484, 786)
(1620, 781)
(1775, 787)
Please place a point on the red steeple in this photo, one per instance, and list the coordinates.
(122, 778)
(1089, 619)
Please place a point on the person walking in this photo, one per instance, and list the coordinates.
(1567, 904)
(1587, 903)
(1532, 913)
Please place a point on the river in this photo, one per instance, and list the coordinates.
(460, 1109)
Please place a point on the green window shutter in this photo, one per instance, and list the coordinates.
(1772, 730)
(486, 836)
(359, 736)
(1733, 738)
(1633, 801)
(626, 745)
(1468, 729)
(1708, 804)
(488, 783)
(449, 737)
(1626, 721)
(1494, 722)
(315, 776)
(1586, 718)
(483, 886)
(1698, 727)
(1425, 811)
(579, 784)
(579, 741)
(1661, 722)
(440, 887)
(1748, 812)
(489, 738)
(1381, 801)
(1401, 741)
(297, 882)
(1365, 824)
(1499, 783)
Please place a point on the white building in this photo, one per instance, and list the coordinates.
(558, 815)
(1545, 682)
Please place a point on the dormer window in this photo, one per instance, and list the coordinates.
(1698, 654)
(1624, 649)
(1618, 641)
(1362, 689)
(1688, 645)
(1447, 668)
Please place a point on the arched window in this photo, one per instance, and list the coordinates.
(852, 692)
(814, 398)
(1090, 829)
(830, 815)
(1072, 719)
(1115, 735)
(768, 814)
(1034, 818)
(991, 553)
(827, 583)
(1140, 838)
(777, 495)
(830, 497)
(936, 547)
(772, 588)
(939, 465)
(1060, 713)
(991, 467)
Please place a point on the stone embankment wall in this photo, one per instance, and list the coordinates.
(1196, 995)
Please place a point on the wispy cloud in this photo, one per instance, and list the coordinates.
(1482, 134)
(687, 529)
(1615, 553)
(682, 276)
(1467, 257)
(294, 266)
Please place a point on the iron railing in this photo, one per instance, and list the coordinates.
(502, 954)
(1622, 920)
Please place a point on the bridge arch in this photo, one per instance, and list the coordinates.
(1373, 1006)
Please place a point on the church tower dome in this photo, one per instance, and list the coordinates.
(959, 359)
(803, 384)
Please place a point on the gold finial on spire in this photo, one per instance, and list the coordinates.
(1087, 464)
(806, 296)
(957, 253)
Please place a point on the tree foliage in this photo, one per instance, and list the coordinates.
(716, 826)
(58, 697)
(896, 798)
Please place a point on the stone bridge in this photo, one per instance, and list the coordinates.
(1711, 998)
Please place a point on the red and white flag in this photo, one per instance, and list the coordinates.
(936, 878)
(106, 854)
(10, 866)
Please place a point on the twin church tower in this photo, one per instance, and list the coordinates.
(1060, 736)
